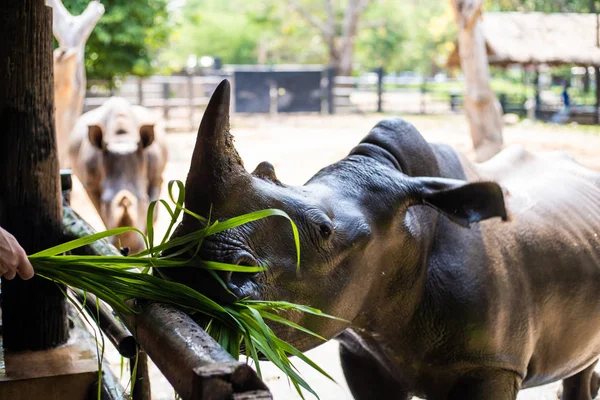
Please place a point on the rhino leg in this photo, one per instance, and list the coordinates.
(582, 386)
(366, 379)
(489, 385)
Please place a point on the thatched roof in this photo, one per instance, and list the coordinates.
(538, 38)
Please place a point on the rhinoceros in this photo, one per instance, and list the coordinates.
(439, 305)
(118, 152)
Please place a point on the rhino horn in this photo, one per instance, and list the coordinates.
(215, 162)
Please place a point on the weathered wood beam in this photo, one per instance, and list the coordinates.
(33, 312)
(119, 336)
(597, 107)
(191, 360)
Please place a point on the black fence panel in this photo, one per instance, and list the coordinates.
(292, 91)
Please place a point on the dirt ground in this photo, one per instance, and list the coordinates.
(298, 146)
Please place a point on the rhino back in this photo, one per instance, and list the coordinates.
(517, 291)
(506, 295)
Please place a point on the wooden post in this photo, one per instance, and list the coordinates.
(379, 89)
(423, 91)
(69, 70)
(166, 90)
(140, 91)
(503, 101)
(481, 106)
(524, 77)
(538, 97)
(191, 100)
(597, 109)
(34, 311)
(330, 93)
(141, 386)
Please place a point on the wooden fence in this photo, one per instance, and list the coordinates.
(181, 99)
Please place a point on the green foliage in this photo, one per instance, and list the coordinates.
(285, 38)
(433, 31)
(126, 39)
(241, 32)
(415, 35)
(411, 35)
(116, 279)
(212, 28)
(580, 6)
(140, 36)
(379, 43)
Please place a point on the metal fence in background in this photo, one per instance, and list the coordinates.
(181, 99)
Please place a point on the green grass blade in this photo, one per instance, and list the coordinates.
(283, 321)
(116, 279)
(73, 244)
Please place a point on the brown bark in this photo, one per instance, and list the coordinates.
(34, 311)
(71, 32)
(481, 106)
(340, 48)
(349, 30)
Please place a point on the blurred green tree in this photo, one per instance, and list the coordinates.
(338, 24)
(581, 6)
(126, 39)
(412, 35)
(349, 35)
(212, 28)
(382, 35)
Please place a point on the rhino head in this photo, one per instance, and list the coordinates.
(121, 139)
(354, 220)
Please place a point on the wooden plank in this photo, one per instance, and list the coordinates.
(66, 372)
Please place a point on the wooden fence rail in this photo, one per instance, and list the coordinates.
(181, 99)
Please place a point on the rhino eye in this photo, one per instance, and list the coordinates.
(325, 230)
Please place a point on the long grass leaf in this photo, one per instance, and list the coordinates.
(116, 279)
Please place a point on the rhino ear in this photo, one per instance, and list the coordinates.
(266, 171)
(146, 135)
(96, 136)
(462, 202)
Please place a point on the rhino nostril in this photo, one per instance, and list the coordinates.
(125, 202)
(240, 278)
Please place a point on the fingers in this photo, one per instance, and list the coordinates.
(25, 270)
(13, 258)
(18, 264)
(9, 275)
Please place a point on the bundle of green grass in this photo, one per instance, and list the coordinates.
(117, 279)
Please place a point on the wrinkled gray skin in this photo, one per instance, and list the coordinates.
(435, 309)
(118, 153)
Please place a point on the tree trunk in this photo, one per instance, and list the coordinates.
(349, 30)
(340, 48)
(69, 70)
(483, 109)
(34, 311)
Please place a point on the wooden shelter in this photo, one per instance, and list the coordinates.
(537, 38)
(534, 39)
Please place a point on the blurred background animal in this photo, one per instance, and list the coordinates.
(118, 152)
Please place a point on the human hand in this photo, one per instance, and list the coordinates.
(13, 259)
